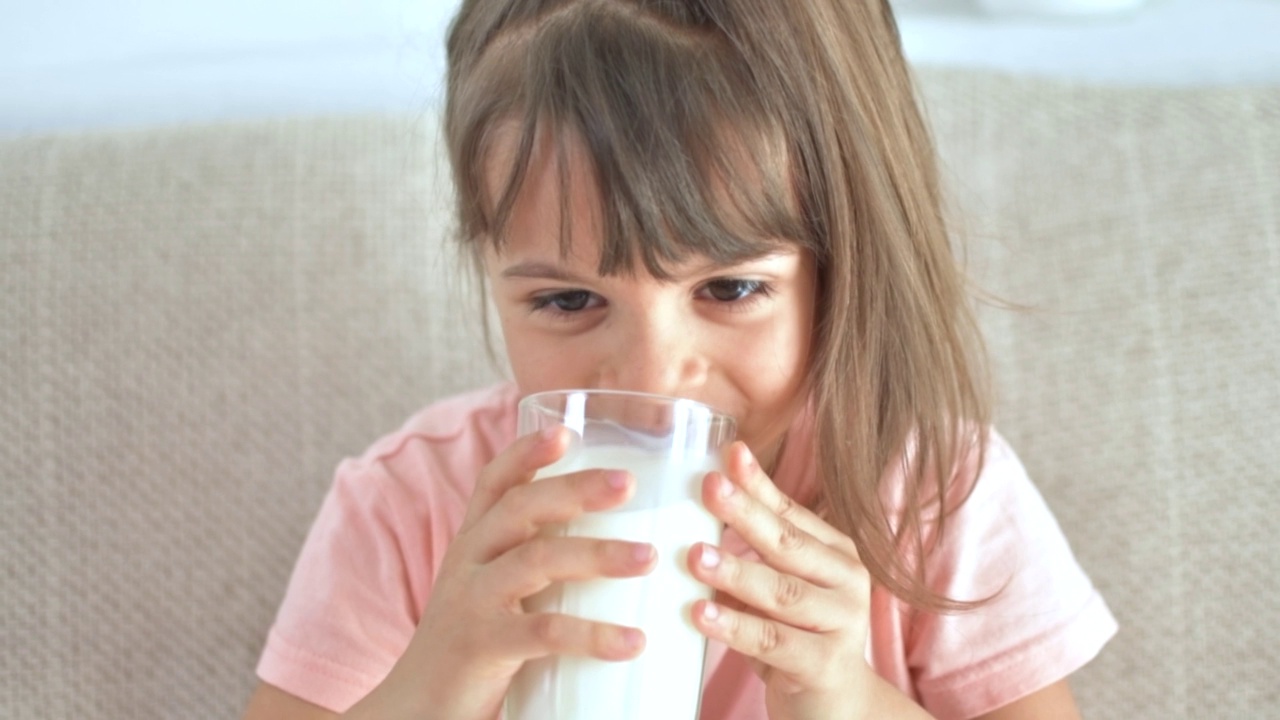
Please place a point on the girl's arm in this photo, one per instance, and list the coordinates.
(1051, 703)
(1054, 702)
(473, 634)
(271, 703)
(800, 614)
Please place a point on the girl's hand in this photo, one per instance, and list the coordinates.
(802, 615)
(474, 634)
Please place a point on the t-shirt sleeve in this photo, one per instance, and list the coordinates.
(348, 613)
(1045, 621)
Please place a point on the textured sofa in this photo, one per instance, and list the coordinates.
(199, 322)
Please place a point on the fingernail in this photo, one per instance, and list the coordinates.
(747, 458)
(726, 488)
(549, 434)
(710, 558)
(642, 552)
(632, 639)
(710, 612)
(617, 479)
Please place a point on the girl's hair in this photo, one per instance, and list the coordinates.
(722, 128)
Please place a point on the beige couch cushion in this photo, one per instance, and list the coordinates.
(1142, 384)
(197, 323)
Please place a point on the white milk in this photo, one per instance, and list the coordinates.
(665, 681)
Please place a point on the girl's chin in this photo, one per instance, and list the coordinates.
(765, 450)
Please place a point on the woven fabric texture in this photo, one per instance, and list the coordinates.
(1140, 381)
(199, 322)
(197, 325)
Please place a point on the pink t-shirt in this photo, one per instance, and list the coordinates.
(368, 565)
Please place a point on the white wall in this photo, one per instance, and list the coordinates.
(81, 63)
(1167, 42)
(72, 64)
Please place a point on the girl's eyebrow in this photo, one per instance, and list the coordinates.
(541, 271)
(734, 263)
(537, 270)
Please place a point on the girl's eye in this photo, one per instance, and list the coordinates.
(567, 302)
(735, 290)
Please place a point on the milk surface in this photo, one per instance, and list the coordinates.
(665, 681)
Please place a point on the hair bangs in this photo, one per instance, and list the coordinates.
(687, 158)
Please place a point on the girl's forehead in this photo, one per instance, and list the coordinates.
(545, 196)
(513, 147)
(534, 257)
(554, 161)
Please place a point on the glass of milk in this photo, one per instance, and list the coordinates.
(669, 445)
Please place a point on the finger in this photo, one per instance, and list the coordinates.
(780, 596)
(729, 601)
(514, 466)
(524, 509)
(779, 541)
(742, 467)
(539, 635)
(533, 566)
(781, 647)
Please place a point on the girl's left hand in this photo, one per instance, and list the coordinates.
(804, 614)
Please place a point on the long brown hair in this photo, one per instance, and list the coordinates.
(670, 98)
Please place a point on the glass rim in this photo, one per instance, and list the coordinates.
(718, 414)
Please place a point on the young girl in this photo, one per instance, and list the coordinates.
(734, 201)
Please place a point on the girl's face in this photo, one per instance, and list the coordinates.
(736, 338)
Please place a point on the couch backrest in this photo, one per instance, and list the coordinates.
(1142, 384)
(199, 322)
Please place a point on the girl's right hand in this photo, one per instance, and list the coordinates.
(474, 633)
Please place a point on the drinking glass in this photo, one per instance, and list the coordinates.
(668, 444)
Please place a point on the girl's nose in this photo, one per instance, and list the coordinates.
(656, 356)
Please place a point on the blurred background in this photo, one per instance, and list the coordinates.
(198, 320)
(79, 64)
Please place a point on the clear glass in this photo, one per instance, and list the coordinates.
(668, 444)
